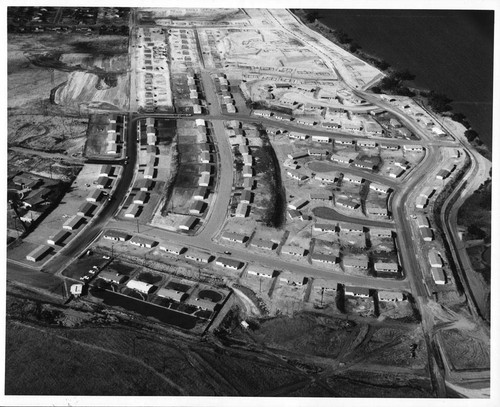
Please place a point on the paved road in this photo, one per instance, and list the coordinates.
(219, 205)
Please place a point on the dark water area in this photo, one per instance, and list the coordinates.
(449, 51)
(149, 310)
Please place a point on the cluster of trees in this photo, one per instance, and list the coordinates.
(395, 83)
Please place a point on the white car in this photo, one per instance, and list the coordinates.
(85, 278)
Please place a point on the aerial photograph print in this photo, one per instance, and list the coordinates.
(215, 206)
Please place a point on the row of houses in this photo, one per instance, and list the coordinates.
(113, 135)
(87, 209)
(191, 81)
(226, 98)
(325, 285)
(349, 227)
(436, 264)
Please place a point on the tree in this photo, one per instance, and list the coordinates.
(439, 102)
(353, 47)
(471, 135)
(404, 75)
(312, 16)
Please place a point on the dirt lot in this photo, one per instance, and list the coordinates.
(464, 350)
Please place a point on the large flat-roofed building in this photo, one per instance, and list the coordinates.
(366, 143)
(380, 188)
(320, 196)
(353, 178)
(434, 259)
(204, 180)
(380, 232)
(321, 139)
(377, 211)
(86, 209)
(264, 244)
(39, 253)
(390, 267)
(246, 196)
(438, 275)
(298, 154)
(234, 237)
(172, 248)
(347, 203)
(260, 272)
(345, 142)
(94, 196)
(242, 210)
(142, 241)
(111, 148)
(151, 139)
(228, 263)
(205, 158)
(340, 159)
(323, 258)
(106, 171)
(149, 173)
(133, 211)
(318, 152)
(396, 172)
(355, 263)
(305, 121)
(402, 163)
(200, 193)
(365, 165)
(247, 171)
(140, 286)
(413, 147)
(325, 227)
(198, 256)
(297, 136)
(73, 223)
(297, 175)
(189, 223)
(58, 238)
(427, 192)
(145, 184)
(295, 214)
(116, 235)
(373, 128)
(442, 174)
(298, 203)
(350, 227)
(262, 113)
(202, 304)
(102, 182)
(141, 198)
(293, 250)
(421, 202)
(361, 292)
(197, 208)
(327, 179)
(170, 294)
(112, 277)
(422, 221)
(390, 296)
(427, 234)
(388, 146)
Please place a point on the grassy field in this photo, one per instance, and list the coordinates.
(103, 352)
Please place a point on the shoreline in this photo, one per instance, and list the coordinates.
(419, 93)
